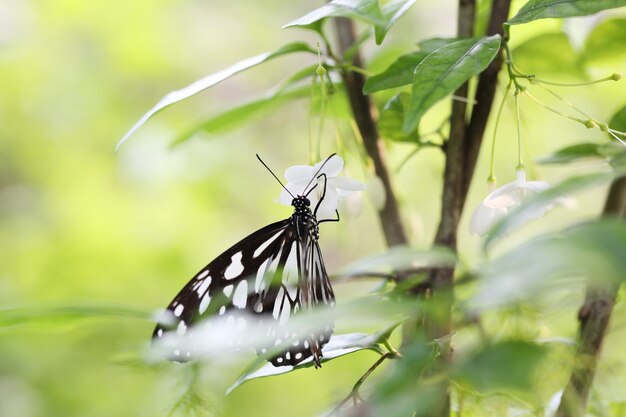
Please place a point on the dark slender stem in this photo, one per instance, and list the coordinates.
(485, 94)
(461, 153)
(354, 393)
(390, 219)
(452, 200)
(593, 316)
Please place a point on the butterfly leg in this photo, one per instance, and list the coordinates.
(317, 206)
(331, 220)
(316, 351)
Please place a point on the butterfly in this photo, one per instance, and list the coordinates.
(273, 274)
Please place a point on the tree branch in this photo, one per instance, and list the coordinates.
(485, 93)
(390, 219)
(594, 316)
(461, 153)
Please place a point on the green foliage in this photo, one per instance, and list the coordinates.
(339, 345)
(392, 118)
(401, 72)
(367, 11)
(401, 258)
(605, 43)
(551, 196)
(618, 121)
(541, 9)
(507, 365)
(55, 315)
(594, 250)
(244, 113)
(584, 151)
(445, 70)
(549, 54)
(213, 79)
(392, 11)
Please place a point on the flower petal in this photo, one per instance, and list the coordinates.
(376, 192)
(285, 198)
(299, 172)
(502, 201)
(535, 186)
(345, 183)
(332, 168)
(484, 218)
(352, 205)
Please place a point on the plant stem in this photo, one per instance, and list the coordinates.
(594, 316)
(354, 393)
(461, 154)
(485, 93)
(492, 175)
(389, 215)
(520, 161)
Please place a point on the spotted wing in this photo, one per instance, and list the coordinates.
(315, 291)
(269, 273)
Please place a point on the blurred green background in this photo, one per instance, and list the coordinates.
(83, 226)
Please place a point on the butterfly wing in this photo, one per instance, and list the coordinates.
(273, 272)
(314, 290)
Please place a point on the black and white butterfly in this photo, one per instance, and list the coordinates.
(272, 275)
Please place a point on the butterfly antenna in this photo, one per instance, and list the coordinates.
(317, 172)
(274, 175)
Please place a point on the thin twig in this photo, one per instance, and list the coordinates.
(354, 393)
(390, 219)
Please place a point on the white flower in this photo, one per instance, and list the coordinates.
(498, 204)
(302, 178)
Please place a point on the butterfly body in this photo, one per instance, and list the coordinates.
(272, 274)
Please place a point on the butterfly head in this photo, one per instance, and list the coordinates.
(300, 202)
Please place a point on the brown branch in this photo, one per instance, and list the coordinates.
(485, 93)
(594, 316)
(390, 219)
(461, 153)
(454, 171)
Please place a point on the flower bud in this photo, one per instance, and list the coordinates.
(376, 192)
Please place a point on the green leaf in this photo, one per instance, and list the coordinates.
(541, 9)
(594, 250)
(520, 214)
(391, 13)
(605, 43)
(392, 118)
(548, 53)
(573, 153)
(239, 115)
(364, 10)
(504, 365)
(445, 70)
(213, 79)
(432, 44)
(401, 71)
(398, 74)
(401, 258)
(65, 313)
(609, 152)
(618, 121)
(338, 345)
